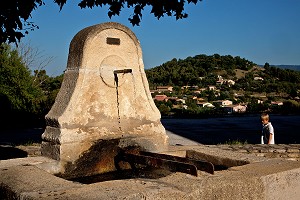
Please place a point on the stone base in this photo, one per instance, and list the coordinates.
(89, 158)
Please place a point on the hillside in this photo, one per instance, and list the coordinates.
(239, 73)
(190, 70)
(202, 71)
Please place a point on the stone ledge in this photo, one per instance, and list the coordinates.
(287, 151)
(262, 178)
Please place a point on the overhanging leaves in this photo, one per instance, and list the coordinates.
(14, 14)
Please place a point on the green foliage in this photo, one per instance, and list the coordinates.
(24, 98)
(30, 143)
(14, 19)
(235, 142)
(267, 66)
(164, 107)
(287, 75)
(199, 110)
(290, 107)
(15, 14)
(254, 107)
(274, 80)
(18, 96)
(187, 71)
(50, 87)
(16, 84)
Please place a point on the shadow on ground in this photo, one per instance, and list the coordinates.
(9, 152)
(9, 138)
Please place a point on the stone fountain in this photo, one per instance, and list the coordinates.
(104, 104)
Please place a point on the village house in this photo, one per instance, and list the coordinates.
(182, 101)
(194, 87)
(260, 101)
(212, 87)
(257, 78)
(198, 98)
(222, 81)
(230, 82)
(205, 104)
(276, 103)
(219, 82)
(235, 108)
(238, 95)
(223, 102)
(153, 91)
(161, 97)
(164, 89)
(202, 89)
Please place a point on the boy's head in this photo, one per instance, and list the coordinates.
(265, 118)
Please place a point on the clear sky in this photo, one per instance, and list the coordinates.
(258, 30)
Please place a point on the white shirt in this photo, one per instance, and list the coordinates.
(267, 129)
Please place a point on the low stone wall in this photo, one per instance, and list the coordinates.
(287, 151)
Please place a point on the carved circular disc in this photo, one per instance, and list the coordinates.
(107, 68)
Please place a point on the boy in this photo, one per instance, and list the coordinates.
(267, 130)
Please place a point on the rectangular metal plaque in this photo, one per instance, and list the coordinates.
(113, 41)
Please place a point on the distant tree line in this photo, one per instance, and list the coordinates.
(187, 71)
(274, 80)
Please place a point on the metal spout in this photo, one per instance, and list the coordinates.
(122, 71)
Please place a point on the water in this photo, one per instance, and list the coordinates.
(245, 128)
(21, 136)
(204, 131)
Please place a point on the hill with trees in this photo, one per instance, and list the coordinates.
(187, 71)
(203, 70)
(251, 84)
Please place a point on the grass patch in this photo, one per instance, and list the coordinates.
(29, 143)
(235, 142)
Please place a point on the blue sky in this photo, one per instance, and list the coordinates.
(258, 30)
